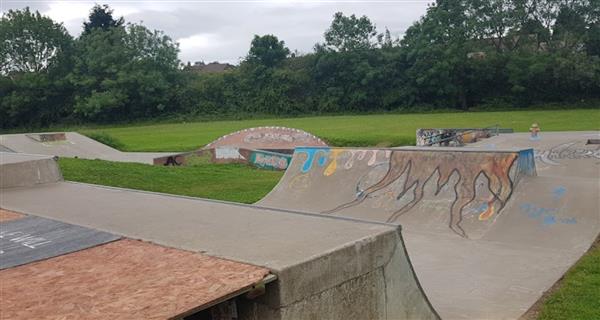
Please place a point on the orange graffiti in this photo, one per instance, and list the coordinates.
(419, 168)
(489, 211)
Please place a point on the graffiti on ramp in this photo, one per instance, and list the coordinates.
(475, 183)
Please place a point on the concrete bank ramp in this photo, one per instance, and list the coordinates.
(71, 145)
(487, 236)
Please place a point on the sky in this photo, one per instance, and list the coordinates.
(212, 30)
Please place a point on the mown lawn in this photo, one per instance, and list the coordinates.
(232, 182)
(577, 296)
(364, 130)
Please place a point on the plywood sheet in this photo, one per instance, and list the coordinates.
(125, 279)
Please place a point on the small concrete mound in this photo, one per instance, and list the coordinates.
(268, 138)
(268, 148)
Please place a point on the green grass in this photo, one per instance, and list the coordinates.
(363, 130)
(232, 182)
(578, 295)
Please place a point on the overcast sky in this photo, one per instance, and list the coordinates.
(222, 30)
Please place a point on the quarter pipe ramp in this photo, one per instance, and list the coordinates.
(486, 234)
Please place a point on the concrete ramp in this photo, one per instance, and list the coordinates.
(71, 145)
(20, 170)
(487, 236)
(462, 190)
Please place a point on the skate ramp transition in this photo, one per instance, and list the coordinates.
(71, 145)
(486, 235)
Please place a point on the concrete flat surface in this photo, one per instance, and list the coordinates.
(33, 238)
(75, 146)
(193, 224)
(556, 153)
(521, 232)
(124, 279)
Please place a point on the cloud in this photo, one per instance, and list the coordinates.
(211, 30)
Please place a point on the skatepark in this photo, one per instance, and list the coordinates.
(473, 232)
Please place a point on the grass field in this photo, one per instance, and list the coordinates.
(233, 182)
(366, 130)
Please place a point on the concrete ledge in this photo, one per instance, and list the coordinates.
(21, 170)
(48, 137)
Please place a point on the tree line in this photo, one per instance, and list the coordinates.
(461, 54)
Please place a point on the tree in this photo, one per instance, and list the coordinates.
(124, 73)
(35, 57)
(387, 41)
(30, 42)
(437, 48)
(267, 51)
(101, 17)
(350, 33)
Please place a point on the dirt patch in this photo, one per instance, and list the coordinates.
(6, 215)
(534, 312)
(125, 279)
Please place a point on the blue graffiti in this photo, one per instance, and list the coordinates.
(548, 220)
(559, 192)
(311, 154)
(482, 208)
(546, 215)
(568, 220)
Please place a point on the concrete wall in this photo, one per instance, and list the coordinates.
(19, 170)
(371, 279)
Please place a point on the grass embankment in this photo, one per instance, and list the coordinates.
(233, 182)
(366, 130)
(577, 295)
